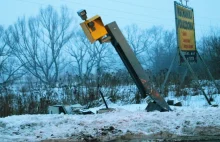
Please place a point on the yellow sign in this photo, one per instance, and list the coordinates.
(94, 28)
(185, 28)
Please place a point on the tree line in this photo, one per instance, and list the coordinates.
(48, 51)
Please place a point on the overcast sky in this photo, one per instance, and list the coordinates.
(144, 13)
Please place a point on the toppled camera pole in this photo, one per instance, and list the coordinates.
(95, 30)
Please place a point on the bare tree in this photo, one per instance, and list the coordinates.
(169, 42)
(104, 58)
(210, 45)
(162, 49)
(138, 39)
(89, 57)
(83, 63)
(9, 66)
(83, 58)
(143, 42)
(90, 61)
(161, 52)
(38, 43)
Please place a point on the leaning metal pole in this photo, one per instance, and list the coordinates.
(195, 77)
(132, 64)
(208, 71)
(168, 73)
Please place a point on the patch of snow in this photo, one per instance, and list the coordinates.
(195, 118)
(181, 121)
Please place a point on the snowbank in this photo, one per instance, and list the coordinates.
(126, 121)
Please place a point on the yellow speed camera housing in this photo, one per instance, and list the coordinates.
(94, 28)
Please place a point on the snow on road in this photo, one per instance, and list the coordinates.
(125, 120)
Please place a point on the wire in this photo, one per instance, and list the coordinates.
(137, 21)
(141, 6)
(149, 16)
(26, 1)
(121, 18)
(121, 11)
(164, 10)
(41, 4)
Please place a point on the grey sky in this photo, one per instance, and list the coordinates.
(144, 13)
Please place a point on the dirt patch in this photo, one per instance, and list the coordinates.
(107, 133)
(129, 137)
(111, 134)
(138, 138)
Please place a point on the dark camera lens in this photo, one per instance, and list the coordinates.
(91, 24)
(83, 13)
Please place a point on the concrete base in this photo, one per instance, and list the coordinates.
(153, 106)
(105, 110)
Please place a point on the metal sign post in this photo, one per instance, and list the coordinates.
(132, 64)
(168, 73)
(195, 77)
(186, 41)
(185, 31)
(208, 71)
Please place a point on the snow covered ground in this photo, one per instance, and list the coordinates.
(192, 121)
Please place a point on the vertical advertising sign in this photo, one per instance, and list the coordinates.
(185, 31)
